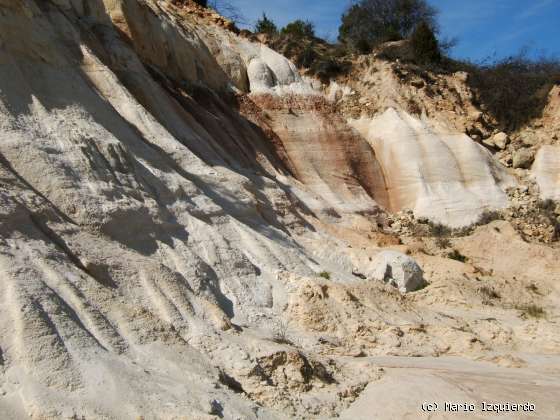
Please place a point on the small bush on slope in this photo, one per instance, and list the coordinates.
(532, 310)
(457, 256)
(325, 274)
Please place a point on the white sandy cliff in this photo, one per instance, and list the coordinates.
(189, 228)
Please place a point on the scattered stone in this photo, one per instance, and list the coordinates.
(523, 158)
(528, 215)
(529, 138)
(476, 116)
(500, 140)
(506, 159)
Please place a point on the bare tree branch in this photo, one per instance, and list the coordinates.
(228, 10)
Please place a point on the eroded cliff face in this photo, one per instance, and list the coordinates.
(170, 193)
(443, 176)
(303, 119)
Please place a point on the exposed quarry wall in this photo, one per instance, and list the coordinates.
(440, 176)
(228, 59)
(171, 194)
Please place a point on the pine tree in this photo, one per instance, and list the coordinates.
(425, 44)
(266, 26)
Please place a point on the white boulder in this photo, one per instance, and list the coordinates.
(397, 269)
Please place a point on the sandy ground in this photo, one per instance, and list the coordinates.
(410, 384)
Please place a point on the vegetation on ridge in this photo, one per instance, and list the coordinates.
(513, 90)
(365, 25)
(369, 23)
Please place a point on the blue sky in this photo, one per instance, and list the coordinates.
(483, 27)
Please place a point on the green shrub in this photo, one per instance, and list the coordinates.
(489, 292)
(439, 230)
(457, 256)
(532, 310)
(488, 216)
(443, 242)
(327, 68)
(203, 3)
(307, 57)
(425, 45)
(299, 29)
(325, 275)
(266, 26)
(363, 46)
